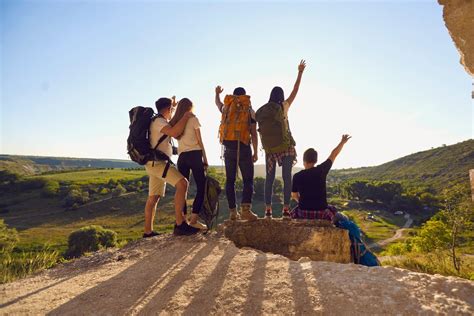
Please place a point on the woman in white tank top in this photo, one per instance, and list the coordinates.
(192, 157)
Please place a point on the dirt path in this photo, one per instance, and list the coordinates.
(204, 275)
(398, 234)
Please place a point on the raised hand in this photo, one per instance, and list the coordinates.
(173, 101)
(219, 90)
(345, 138)
(302, 65)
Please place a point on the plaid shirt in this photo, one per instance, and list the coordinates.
(327, 214)
(277, 157)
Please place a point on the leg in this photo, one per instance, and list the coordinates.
(197, 167)
(287, 165)
(230, 159)
(247, 171)
(180, 199)
(184, 168)
(156, 189)
(150, 209)
(270, 178)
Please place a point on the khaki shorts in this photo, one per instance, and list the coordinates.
(157, 184)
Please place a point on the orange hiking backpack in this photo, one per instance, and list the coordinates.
(236, 119)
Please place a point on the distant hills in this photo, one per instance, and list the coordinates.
(30, 165)
(438, 168)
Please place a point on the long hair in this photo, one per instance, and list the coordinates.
(277, 95)
(184, 105)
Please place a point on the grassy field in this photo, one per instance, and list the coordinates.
(99, 176)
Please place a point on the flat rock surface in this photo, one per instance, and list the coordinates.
(207, 274)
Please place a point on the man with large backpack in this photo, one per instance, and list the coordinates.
(237, 132)
(161, 171)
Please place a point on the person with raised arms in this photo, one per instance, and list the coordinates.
(237, 133)
(277, 141)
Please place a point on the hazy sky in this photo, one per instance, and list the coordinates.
(385, 72)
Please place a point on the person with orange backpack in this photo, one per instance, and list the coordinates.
(237, 132)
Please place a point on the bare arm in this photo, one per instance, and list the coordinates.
(253, 134)
(199, 138)
(292, 96)
(218, 98)
(338, 148)
(175, 131)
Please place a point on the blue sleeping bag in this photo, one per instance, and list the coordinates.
(359, 252)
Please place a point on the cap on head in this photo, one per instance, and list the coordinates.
(239, 91)
(162, 103)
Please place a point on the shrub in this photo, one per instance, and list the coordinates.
(119, 190)
(88, 239)
(76, 197)
(8, 238)
(51, 189)
(112, 183)
(104, 191)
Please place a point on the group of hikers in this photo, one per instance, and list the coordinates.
(238, 135)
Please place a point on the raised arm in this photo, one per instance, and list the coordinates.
(175, 131)
(199, 138)
(301, 68)
(218, 98)
(338, 148)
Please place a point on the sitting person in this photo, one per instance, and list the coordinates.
(309, 185)
(309, 190)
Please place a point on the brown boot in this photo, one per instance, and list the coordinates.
(247, 214)
(233, 214)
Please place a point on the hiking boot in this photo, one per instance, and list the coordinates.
(184, 229)
(198, 225)
(247, 214)
(233, 214)
(152, 234)
(286, 214)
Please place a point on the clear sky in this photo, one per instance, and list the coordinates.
(385, 72)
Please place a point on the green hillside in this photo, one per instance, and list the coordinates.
(437, 168)
(30, 165)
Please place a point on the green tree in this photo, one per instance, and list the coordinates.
(458, 215)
